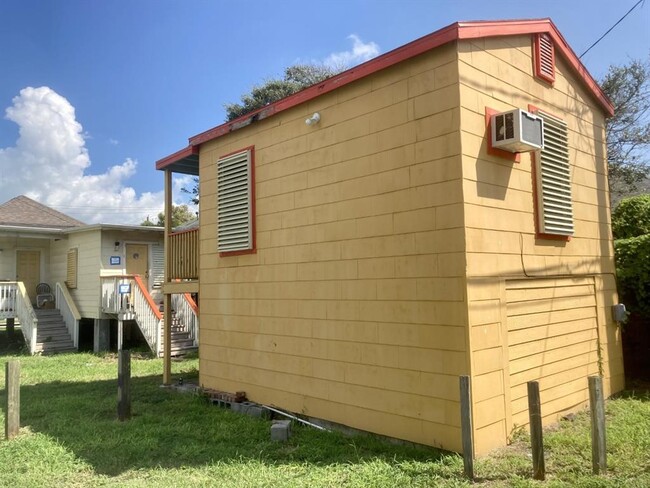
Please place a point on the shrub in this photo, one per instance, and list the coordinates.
(631, 218)
(633, 270)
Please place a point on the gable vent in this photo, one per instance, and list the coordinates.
(544, 57)
(234, 227)
(554, 179)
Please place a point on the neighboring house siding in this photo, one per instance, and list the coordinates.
(87, 293)
(353, 308)
(502, 241)
(10, 245)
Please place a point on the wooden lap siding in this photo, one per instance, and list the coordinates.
(552, 338)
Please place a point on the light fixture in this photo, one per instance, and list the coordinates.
(314, 119)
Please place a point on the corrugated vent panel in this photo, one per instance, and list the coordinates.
(234, 232)
(545, 57)
(554, 179)
(71, 274)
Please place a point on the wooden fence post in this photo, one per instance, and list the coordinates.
(466, 426)
(597, 405)
(124, 385)
(12, 389)
(536, 434)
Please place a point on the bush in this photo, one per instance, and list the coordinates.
(633, 270)
(631, 218)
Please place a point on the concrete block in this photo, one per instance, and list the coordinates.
(281, 430)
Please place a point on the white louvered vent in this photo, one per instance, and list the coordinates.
(554, 179)
(234, 227)
(545, 57)
(157, 266)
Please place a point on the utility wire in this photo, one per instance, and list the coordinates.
(611, 28)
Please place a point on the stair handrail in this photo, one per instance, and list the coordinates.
(71, 316)
(26, 316)
(188, 313)
(147, 314)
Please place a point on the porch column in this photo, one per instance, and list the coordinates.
(101, 335)
(167, 311)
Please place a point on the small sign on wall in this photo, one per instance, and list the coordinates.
(125, 288)
(116, 260)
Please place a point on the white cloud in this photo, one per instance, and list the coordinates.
(50, 163)
(113, 142)
(359, 53)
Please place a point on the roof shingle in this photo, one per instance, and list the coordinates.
(25, 212)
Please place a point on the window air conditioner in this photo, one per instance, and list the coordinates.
(517, 131)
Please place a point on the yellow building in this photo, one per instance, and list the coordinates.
(352, 267)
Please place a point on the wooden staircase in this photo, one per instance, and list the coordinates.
(182, 343)
(52, 334)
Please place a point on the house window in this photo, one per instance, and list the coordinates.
(71, 277)
(544, 57)
(553, 180)
(235, 203)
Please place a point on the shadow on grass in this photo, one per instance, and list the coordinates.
(172, 430)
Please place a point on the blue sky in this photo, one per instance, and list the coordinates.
(134, 79)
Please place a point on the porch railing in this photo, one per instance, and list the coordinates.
(184, 255)
(128, 294)
(68, 309)
(7, 299)
(26, 316)
(188, 314)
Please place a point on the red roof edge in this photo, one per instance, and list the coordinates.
(456, 31)
(177, 156)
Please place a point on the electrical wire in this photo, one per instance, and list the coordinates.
(611, 28)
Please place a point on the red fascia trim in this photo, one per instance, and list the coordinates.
(177, 156)
(456, 31)
(533, 173)
(253, 212)
(419, 46)
(493, 151)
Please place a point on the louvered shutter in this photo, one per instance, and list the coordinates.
(157, 266)
(71, 274)
(545, 57)
(555, 207)
(234, 200)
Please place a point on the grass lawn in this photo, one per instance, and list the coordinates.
(70, 437)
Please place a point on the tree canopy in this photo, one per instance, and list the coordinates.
(295, 78)
(628, 131)
(181, 214)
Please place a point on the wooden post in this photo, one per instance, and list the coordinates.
(466, 426)
(124, 385)
(597, 405)
(11, 329)
(536, 435)
(167, 310)
(12, 410)
(120, 334)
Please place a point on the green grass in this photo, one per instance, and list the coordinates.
(70, 437)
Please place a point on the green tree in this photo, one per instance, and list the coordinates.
(628, 131)
(194, 191)
(181, 214)
(295, 79)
